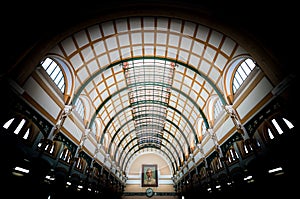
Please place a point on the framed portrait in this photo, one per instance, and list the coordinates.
(149, 175)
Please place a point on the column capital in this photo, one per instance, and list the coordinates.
(67, 110)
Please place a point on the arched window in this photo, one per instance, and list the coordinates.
(23, 128)
(216, 165)
(55, 73)
(80, 164)
(231, 156)
(202, 172)
(66, 155)
(94, 128)
(48, 147)
(276, 126)
(201, 129)
(19, 127)
(243, 71)
(106, 141)
(79, 108)
(217, 108)
(247, 147)
(95, 172)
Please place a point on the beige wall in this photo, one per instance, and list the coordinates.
(149, 158)
(135, 169)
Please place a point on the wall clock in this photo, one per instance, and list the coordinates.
(149, 192)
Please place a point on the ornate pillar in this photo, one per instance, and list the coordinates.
(236, 120)
(65, 113)
(202, 153)
(97, 150)
(218, 149)
(215, 140)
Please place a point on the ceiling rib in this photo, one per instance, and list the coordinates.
(150, 81)
(168, 132)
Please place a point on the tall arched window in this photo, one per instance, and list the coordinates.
(201, 129)
(94, 128)
(55, 73)
(242, 73)
(217, 108)
(79, 108)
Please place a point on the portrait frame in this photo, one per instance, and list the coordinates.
(145, 167)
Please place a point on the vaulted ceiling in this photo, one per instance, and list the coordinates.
(148, 82)
(147, 74)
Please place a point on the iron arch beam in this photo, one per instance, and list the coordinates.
(146, 146)
(105, 129)
(169, 121)
(79, 91)
(117, 148)
(138, 144)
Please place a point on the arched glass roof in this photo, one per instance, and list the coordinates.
(148, 81)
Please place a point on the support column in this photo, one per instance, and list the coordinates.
(65, 113)
(236, 120)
